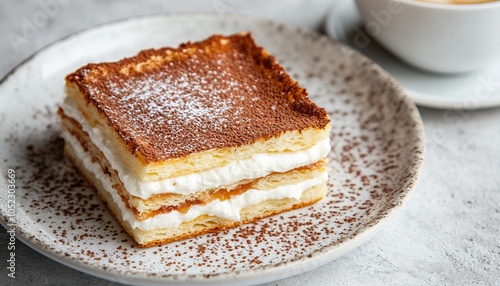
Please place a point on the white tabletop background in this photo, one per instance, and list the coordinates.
(447, 234)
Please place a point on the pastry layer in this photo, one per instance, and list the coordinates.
(162, 206)
(258, 165)
(170, 112)
(204, 224)
(164, 203)
(250, 206)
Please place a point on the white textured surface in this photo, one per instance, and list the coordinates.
(447, 234)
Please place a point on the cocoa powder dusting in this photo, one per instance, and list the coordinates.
(221, 92)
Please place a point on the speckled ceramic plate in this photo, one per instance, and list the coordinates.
(375, 160)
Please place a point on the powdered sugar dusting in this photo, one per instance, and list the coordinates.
(174, 98)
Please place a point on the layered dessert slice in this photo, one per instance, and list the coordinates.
(183, 141)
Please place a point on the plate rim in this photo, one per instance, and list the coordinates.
(280, 270)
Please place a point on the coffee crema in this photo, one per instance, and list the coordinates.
(458, 1)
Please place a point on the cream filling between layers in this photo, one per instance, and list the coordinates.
(259, 165)
(228, 209)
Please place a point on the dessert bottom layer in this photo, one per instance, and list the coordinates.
(203, 223)
(216, 216)
(211, 210)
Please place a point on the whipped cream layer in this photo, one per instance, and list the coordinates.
(259, 165)
(228, 209)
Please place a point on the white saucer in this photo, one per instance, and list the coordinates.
(474, 90)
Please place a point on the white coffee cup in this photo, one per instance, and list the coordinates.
(442, 38)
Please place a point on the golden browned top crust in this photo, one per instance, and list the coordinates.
(220, 92)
